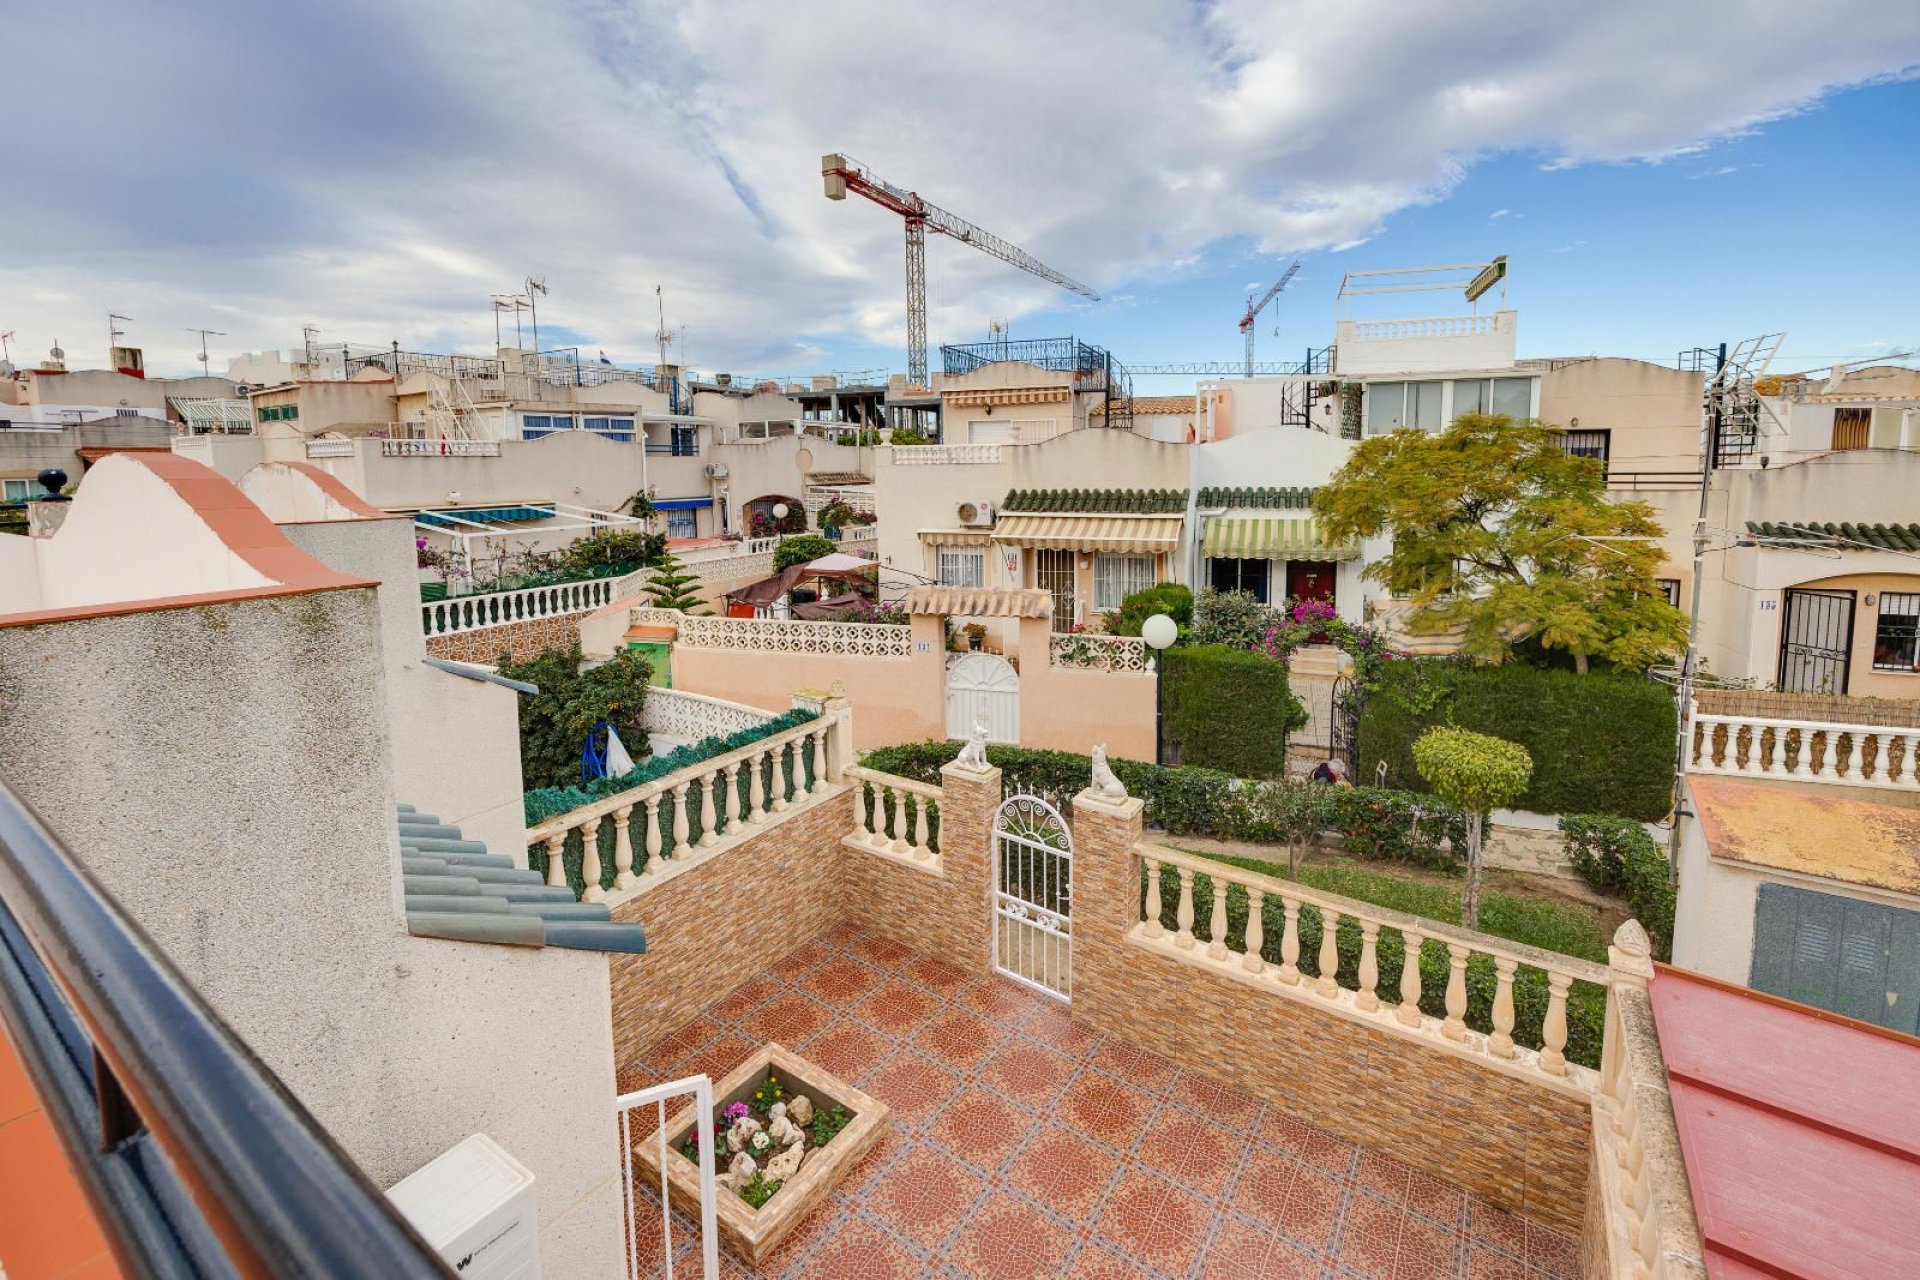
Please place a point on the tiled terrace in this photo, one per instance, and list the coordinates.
(1023, 1145)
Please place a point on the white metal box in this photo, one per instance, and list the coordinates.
(475, 1204)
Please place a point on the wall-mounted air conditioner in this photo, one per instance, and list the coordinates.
(474, 1203)
(716, 471)
(974, 513)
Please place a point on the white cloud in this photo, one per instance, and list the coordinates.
(380, 169)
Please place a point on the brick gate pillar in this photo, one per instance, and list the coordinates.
(969, 798)
(1106, 904)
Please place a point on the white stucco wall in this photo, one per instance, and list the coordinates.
(224, 770)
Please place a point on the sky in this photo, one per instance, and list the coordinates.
(1660, 176)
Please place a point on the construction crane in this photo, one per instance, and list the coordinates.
(842, 175)
(1250, 321)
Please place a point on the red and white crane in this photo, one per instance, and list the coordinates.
(1252, 318)
(843, 175)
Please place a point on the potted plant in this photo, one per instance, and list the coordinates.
(976, 635)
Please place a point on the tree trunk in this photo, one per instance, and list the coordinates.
(1579, 663)
(1470, 890)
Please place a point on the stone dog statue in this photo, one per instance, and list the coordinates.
(974, 754)
(1106, 785)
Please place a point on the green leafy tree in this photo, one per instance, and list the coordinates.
(1232, 618)
(804, 549)
(672, 587)
(613, 551)
(1477, 773)
(1498, 530)
(1169, 598)
(554, 722)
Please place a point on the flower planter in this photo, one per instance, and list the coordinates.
(748, 1232)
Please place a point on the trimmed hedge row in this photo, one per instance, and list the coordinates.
(1614, 855)
(1372, 823)
(1228, 709)
(1601, 743)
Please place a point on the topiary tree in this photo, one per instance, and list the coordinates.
(672, 587)
(801, 550)
(1479, 774)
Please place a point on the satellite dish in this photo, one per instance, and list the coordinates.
(6, 368)
(57, 354)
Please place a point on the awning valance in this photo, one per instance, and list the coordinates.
(1150, 534)
(955, 537)
(1270, 538)
(981, 602)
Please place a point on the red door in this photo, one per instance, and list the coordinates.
(1310, 580)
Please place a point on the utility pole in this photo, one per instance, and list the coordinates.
(1711, 408)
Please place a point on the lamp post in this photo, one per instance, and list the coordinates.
(1159, 632)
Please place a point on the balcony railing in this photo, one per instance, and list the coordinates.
(194, 1158)
(884, 825)
(329, 448)
(1429, 327)
(498, 608)
(689, 814)
(1855, 755)
(441, 448)
(778, 635)
(935, 455)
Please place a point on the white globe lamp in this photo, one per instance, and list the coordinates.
(1159, 631)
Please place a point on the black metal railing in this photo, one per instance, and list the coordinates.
(194, 1158)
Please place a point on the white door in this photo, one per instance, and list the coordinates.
(992, 431)
(983, 687)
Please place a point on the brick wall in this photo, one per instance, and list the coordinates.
(1523, 1146)
(947, 915)
(528, 638)
(718, 924)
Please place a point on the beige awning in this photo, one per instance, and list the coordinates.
(981, 602)
(1270, 538)
(973, 399)
(1152, 534)
(954, 537)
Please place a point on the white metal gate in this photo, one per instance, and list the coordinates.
(1033, 895)
(983, 686)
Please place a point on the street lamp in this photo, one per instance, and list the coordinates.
(1159, 632)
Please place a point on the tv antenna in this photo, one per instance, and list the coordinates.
(115, 332)
(6, 347)
(205, 372)
(662, 336)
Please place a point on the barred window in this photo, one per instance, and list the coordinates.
(1896, 639)
(1117, 577)
(963, 566)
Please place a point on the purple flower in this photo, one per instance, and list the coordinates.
(737, 1111)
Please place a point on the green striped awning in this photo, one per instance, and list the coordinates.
(1270, 538)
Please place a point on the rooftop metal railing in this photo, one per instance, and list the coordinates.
(194, 1157)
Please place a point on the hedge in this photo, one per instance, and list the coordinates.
(1228, 709)
(1601, 743)
(1371, 823)
(1614, 855)
(572, 700)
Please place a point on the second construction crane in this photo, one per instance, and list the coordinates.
(1251, 321)
(843, 175)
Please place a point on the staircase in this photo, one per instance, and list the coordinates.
(455, 889)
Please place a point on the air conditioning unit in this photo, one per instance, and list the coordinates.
(974, 513)
(716, 471)
(474, 1203)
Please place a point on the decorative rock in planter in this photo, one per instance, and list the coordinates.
(791, 1179)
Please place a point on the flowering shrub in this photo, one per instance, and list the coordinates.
(737, 1111)
(769, 1092)
(893, 611)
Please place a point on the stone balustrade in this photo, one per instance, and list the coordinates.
(1646, 1228)
(1386, 1001)
(499, 608)
(941, 455)
(439, 448)
(677, 821)
(1855, 755)
(330, 447)
(883, 824)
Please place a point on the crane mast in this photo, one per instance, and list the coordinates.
(842, 175)
(1250, 322)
